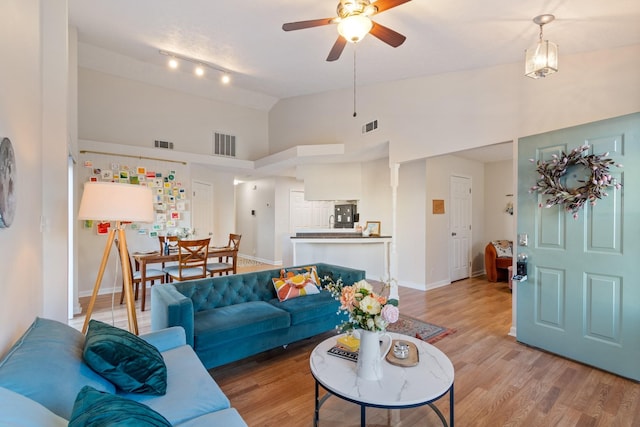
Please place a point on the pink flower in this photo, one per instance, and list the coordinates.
(347, 298)
(390, 313)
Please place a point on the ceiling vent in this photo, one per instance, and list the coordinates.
(224, 144)
(163, 144)
(369, 127)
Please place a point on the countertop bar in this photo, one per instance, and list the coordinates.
(348, 248)
(336, 236)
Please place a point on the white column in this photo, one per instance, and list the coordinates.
(393, 258)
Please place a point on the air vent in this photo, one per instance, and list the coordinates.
(224, 144)
(371, 126)
(163, 144)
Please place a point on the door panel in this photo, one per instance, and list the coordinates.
(202, 199)
(460, 224)
(582, 298)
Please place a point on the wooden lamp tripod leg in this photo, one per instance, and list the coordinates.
(126, 278)
(131, 309)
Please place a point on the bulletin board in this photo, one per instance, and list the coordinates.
(168, 182)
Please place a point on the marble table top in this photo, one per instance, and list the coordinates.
(399, 387)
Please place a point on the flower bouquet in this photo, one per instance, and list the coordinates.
(367, 309)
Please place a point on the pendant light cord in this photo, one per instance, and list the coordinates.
(354, 81)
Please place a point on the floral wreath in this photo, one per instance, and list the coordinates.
(573, 199)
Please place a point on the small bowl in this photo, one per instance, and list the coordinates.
(401, 350)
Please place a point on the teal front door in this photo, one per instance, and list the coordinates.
(581, 299)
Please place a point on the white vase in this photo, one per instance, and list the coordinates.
(370, 354)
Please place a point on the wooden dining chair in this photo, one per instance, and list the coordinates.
(192, 260)
(152, 274)
(229, 265)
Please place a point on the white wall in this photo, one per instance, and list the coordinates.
(22, 110)
(122, 111)
(375, 203)
(439, 171)
(441, 114)
(258, 233)
(498, 183)
(411, 237)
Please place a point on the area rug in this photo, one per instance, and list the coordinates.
(417, 328)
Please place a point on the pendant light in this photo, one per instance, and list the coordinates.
(541, 59)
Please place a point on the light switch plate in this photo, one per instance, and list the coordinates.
(523, 239)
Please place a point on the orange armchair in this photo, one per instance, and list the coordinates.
(498, 257)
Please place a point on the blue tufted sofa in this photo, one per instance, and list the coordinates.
(227, 318)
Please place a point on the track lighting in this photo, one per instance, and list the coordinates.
(199, 70)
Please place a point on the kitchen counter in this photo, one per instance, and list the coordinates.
(347, 248)
(336, 236)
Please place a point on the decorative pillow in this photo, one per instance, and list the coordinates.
(301, 270)
(95, 408)
(291, 285)
(126, 360)
(503, 248)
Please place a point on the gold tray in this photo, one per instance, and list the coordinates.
(411, 360)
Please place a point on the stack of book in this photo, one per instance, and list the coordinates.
(346, 347)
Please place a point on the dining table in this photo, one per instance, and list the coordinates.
(142, 259)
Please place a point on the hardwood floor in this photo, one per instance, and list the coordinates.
(499, 382)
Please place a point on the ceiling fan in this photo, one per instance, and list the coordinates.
(354, 22)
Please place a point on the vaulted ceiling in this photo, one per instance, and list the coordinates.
(246, 37)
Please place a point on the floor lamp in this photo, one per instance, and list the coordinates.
(121, 203)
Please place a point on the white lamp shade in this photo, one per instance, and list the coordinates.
(109, 201)
(353, 28)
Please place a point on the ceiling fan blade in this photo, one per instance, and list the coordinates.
(300, 25)
(337, 49)
(387, 35)
(382, 5)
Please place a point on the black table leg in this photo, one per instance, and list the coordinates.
(451, 406)
(363, 416)
(316, 416)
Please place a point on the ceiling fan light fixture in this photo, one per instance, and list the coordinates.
(541, 59)
(353, 28)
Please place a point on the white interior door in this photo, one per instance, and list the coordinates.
(202, 209)
(460, 225)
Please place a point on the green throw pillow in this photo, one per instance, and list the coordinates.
(126, 360)
(94, 408)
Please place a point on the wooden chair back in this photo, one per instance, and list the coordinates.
(163, 239)
(193, 254)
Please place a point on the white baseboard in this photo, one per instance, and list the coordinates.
(260, 260)
(410, 285)
(436, 285)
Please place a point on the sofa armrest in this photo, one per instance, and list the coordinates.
(166, 339)
(171, 308)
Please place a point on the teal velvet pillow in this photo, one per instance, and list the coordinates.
(126, 360)
(94, 408)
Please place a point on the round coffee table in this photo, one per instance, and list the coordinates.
(399, 387)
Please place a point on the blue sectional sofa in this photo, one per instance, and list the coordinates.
(43, 373)
(227, 318)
